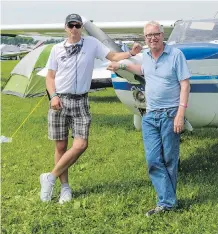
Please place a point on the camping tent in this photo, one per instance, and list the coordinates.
(24, 80)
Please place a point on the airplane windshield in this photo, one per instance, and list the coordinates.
(194, 32)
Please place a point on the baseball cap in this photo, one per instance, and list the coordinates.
(73, 18)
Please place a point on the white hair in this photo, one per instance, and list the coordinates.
(154, 23)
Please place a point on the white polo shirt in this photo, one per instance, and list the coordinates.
(74, 74)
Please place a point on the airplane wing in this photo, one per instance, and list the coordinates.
(54, 30)
(107, 28)
(13, 54)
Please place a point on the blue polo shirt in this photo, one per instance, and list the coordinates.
(163, 76)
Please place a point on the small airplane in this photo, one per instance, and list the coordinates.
(198, 39)
(11, 52)
(17, 52)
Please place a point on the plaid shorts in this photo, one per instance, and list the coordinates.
(74, 115)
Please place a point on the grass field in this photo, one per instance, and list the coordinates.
(6, 67)
(110, 183)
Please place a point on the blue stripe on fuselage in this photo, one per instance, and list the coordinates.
(204, 77)
(195, 88)
(198, 51)
(204, 88)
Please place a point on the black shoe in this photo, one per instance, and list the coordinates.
(156, 210)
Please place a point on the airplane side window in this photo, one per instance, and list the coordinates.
(184, 32)
(215, 33)
(176, 35)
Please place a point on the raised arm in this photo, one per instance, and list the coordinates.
(117, 56)
(114, 56)
(135, 68)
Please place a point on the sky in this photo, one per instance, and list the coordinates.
(38, 12)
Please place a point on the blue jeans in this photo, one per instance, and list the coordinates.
(162, 153)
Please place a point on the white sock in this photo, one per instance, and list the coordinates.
(51, 178)
(65, 185)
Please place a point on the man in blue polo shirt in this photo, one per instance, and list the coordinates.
(167, 89)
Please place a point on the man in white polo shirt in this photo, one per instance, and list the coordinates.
(68, 81)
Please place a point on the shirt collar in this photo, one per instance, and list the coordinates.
(167, 48)
(77, 43)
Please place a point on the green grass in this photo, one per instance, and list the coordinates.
(6, 68)
(110, 183)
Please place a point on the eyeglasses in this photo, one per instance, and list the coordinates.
(74, 25)
(156, 35)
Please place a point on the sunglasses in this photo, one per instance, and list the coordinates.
(74, 25)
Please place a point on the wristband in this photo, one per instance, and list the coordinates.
(185, 106)
(53, 95)
(122, 66)
(131, 54)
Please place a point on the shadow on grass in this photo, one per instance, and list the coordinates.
(200, 134)
(114, 121)
(116, 188)
(107, 99)
(202, 167)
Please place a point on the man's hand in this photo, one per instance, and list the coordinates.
(179, 123)
(113, 66)
(56, 103)
(136, 49)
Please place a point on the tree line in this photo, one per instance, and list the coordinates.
(25, 40)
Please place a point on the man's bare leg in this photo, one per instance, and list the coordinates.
(47, 180)
(60, 149)
(70, 156)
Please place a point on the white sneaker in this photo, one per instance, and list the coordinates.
(66, 195)
(46, 188)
